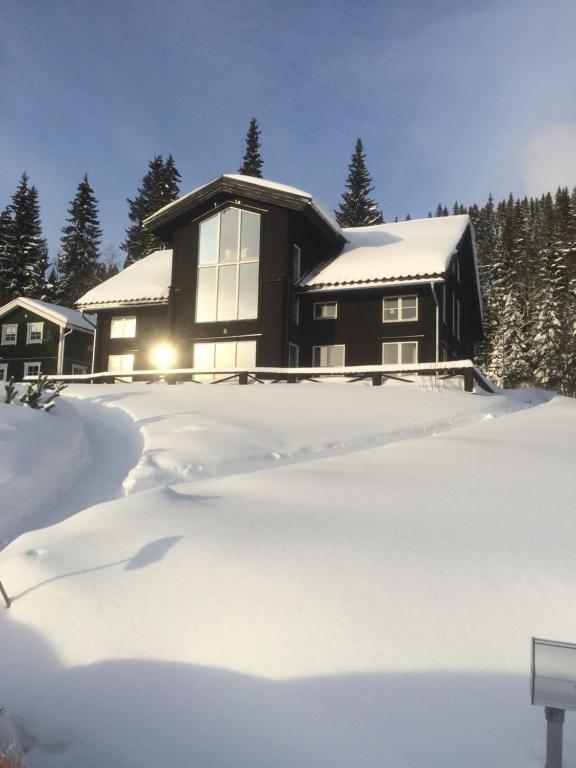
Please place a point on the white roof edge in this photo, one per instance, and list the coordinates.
(118, 304)
(371, 284)
(318, 207)
(43, 309)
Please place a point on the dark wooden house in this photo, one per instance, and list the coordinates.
(38, 337)
(260, 274)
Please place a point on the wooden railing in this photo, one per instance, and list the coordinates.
(376, 373)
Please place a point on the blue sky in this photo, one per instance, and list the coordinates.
(453, 98)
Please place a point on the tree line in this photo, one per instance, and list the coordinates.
(526, 254)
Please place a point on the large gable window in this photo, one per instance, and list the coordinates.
(228, 260)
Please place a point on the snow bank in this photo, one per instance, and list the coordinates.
(364, 597)
(40, 453)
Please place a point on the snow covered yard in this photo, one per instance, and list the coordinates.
(292, 575)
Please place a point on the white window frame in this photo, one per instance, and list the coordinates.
(214, 344)
(3, 371)
(118, 327)
(318, 310)
(78, 370)
(238, 262)
(296, 262)
(328, 346)
(399, 345)
(295, 310)
(32, 328)
(9, 329)
(122, 369)
(291, 345)
(27, 369)
(400, 299)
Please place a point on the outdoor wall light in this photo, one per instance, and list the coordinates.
(163, 356)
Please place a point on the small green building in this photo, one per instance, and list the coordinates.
(37, 337)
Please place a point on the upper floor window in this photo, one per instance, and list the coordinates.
(35, 333)
(398, 308)
(228, 262)
(9, 333)
(123, 328)
(296, 262)
(329, 356)
(325, 310)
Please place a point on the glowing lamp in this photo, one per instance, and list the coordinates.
(163, 356)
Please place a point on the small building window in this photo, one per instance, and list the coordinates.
(32, 369)
(9, 334)
(399, 352)
(399, 308)
(296, 262)
(295, 310)
(326, 310)
(35, 333)
(293, 355)
(329, 356)
(79, 370)
(123, 328)
(120, 363)
(3, 371)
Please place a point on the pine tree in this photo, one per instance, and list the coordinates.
(78, 265)
(357, 208)
(252, 161)
(5, 264)
(159, 187)
(25, 250)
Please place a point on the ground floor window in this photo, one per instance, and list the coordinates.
(293, 355)
(78, 370)
(404, 352)
(31, 369)
(3, 371)
(223, 354)
(330, 356)
(120, 363)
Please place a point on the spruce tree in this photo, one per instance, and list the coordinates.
(159, 187)
(357, 208)
(78, 266)
(252, 161)
(5, 264)
(25, 250)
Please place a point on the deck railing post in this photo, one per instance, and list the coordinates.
(243, 378)
(469, 379)
(376, 379)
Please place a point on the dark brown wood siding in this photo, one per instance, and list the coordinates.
(151, 329)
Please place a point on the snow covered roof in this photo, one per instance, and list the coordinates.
(145, 282)
(62, 316)
(391, 252)
(305, 198)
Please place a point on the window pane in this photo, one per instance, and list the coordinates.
(206, 294)
(390, 310)
(208, 245)
(389, 354)
(246, 354)
(409, 352)
(229, 223)
(203, 356)
(130, 327)
(335, 356)
(250, 237)
(248, 300)
(225, 354)
(293, 355)
(227, 286)
(409, 304)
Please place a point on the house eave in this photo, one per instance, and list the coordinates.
(375, 283)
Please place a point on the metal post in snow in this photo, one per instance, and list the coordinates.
(555, 725)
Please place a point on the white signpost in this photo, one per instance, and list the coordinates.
(554, 688)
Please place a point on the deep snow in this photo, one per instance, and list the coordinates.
(314, 575)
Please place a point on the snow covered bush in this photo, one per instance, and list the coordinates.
(36, 395)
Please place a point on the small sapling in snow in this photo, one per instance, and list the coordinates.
(11, 391)
(36, 394)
